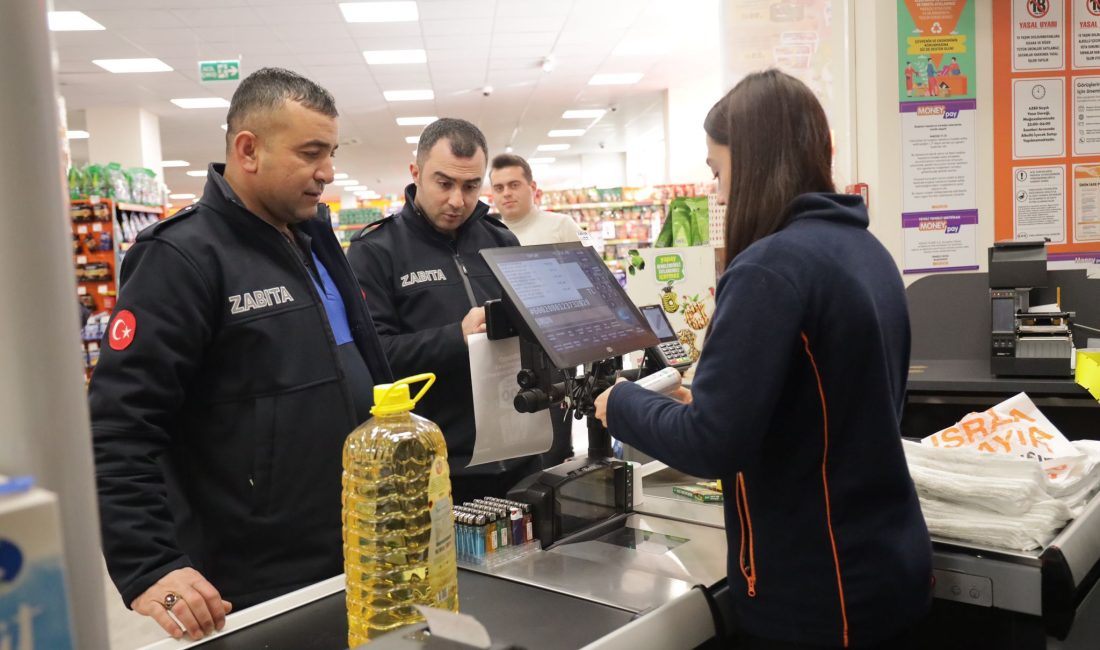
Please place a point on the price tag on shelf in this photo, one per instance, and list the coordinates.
(607, 229)
(97, 227)
(81, 259)
(80, 291)
(93, 199)
(82, 230)
(103, 289)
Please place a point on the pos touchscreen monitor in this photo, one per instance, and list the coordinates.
(570, 302)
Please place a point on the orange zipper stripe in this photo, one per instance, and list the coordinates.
(825, 483)
(741, 497)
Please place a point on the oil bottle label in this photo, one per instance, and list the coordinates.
(441, 551)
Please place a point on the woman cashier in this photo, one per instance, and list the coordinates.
(798, 394)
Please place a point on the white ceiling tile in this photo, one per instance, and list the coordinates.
(597, 35)
(534, 8)
(418, 78)
(383, 30)
(118, 19)
(460, 9)
(389, 43)
(519, 51)
(219, 17)
(340, 50)
(239, 35)
(516, 63)
(527, 23)
(472, 29)
(157, 38)
(298, 15)
(545, 39)
(457, 43)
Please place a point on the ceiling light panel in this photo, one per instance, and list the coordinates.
(583, 114)
(76, 135)
(553, 147)
(72, 21)
(198, 173)
(565, 133)
(125, 66)
(174, 163)
(408, 95)
(379, 12)
(201, 102)
(615, 79)
(393, 57)
(416, 121)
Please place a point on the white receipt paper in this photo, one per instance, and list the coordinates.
(460, 628)
(502, 432)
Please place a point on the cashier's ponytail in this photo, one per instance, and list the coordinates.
(780, 147)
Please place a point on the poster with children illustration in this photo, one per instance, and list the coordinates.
(935, 50)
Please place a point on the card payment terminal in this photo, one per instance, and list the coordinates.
(669, 352)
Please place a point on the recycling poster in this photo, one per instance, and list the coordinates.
(1046, 127)
(937, 101)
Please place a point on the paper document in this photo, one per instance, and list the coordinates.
(1044, 309)
(502, 432)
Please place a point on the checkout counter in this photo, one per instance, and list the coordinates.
(653, 575)
(985, 597)
(612, 572)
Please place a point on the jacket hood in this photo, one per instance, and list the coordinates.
(839, 208)
(417, 219)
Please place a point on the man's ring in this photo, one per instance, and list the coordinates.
(170, 600)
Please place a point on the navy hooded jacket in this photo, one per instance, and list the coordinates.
(797, 403)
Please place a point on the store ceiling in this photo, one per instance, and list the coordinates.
(470, 44)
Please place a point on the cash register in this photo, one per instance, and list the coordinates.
(569, 312)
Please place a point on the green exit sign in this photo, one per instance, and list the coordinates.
(219, 70)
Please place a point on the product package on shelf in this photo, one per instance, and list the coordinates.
(103, 229)
(348, 221)
(620, 220)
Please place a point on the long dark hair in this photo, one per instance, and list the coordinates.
(780, 147)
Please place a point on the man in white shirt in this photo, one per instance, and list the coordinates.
(514, 196)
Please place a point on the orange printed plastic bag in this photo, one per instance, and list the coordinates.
(1014, 427)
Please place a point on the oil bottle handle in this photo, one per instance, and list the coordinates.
(425, 377)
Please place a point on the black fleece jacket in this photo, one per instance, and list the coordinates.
(412, 277)
(797, 403)
(220, 407)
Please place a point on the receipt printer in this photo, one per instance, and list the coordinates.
(1025, 343)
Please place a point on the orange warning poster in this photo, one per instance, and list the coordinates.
(1046, 126)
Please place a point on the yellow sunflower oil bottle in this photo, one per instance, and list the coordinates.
(399, 548)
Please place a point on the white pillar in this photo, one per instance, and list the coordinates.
(43, 405)
(128, 135)
(686, 106)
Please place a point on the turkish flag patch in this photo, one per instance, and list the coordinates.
(121, 332)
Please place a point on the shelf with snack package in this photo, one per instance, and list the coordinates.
(108, 207)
